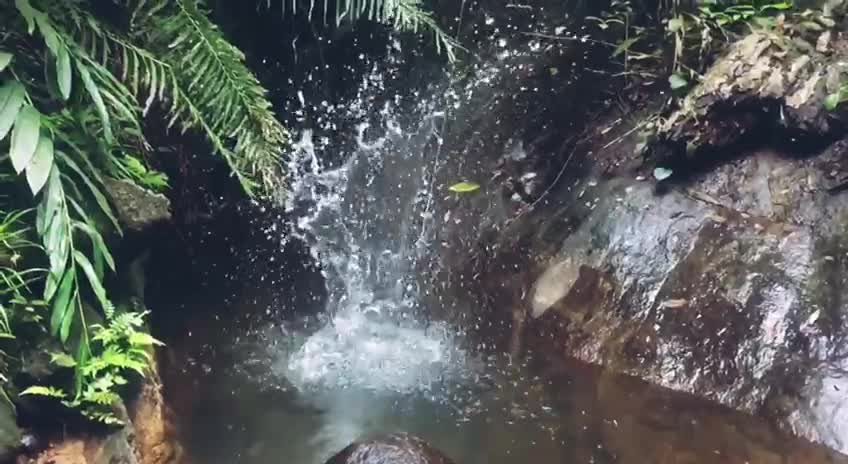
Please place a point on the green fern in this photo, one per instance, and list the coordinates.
(118, 346)
(402, 15)
(189, 68)
(212, 75)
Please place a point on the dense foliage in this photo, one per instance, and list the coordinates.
(74, 95)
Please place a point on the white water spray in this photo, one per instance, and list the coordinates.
(365, 222)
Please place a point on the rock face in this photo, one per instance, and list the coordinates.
(390, 449)
(767, 78)
(137, 208)
(147, 438)
(726, 281)
(730, 288)
(152, 419)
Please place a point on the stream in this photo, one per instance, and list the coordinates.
(281, 389)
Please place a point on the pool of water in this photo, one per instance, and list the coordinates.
(238, 402)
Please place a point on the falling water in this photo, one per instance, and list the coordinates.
(365, 221)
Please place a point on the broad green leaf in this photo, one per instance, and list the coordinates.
(11, 99)
(99, 197)
(25, 137)
(464, 187)
(62, 360)
(63, 302)
(52, 225)
(832, 101)
(662, 173)
(5, 59)
(777, 6)
(83, 355)
(97, 242)
(51, 37)
(39, 168)
(96, 285)
(28, 12)
(677, 81)
(94, 93)
(64, 74)
(70, 315)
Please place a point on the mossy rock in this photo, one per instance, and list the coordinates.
(138, 209)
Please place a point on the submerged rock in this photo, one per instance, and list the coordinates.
(390, 449)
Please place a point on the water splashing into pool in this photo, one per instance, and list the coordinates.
(376, 363)
(365, 221)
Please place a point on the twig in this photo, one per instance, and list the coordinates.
(583, 39)
(624, 135)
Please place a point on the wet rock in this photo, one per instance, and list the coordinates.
(147, 438)
(67, 452)
(137, 208)
(10, 434)
(730, 288)
(155, 436)
(390, 449)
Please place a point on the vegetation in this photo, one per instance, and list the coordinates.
(79, 84)
(402, 15)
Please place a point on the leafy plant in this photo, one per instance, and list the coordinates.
(695, 33)
(402, 15)
(118, 348)
(726, 13)
(70, 114)
(132, 168)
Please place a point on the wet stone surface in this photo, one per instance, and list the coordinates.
(730, 288)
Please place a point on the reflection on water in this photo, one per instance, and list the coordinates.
(495, 411)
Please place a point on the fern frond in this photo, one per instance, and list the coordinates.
(402, 15)
(189, 68)
(217, 91)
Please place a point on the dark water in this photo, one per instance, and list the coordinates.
(236, 406)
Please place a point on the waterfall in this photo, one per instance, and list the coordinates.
(367, 221)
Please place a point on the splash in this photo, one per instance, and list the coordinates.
(366, 221)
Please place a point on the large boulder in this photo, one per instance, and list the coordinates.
(390, 449)
(729, 288)
(726, 281)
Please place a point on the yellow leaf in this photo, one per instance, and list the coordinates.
(464, 187)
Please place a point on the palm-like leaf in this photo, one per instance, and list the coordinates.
(189, 68)
(402, 15)
(226, 99)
